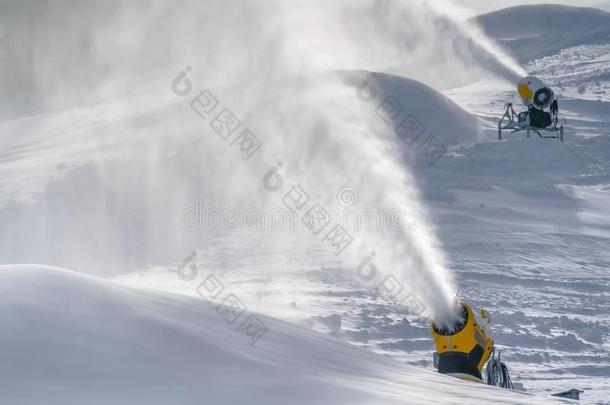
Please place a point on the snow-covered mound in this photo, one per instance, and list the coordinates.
(434, 113)
(534, 31)
(73, 339)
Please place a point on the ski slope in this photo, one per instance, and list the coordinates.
(483, 196)
(73, 339)
(101, 186)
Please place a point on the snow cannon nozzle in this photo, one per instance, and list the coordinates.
(535, 93)
(464, 345)
(453, 326)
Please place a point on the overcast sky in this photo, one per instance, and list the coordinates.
(481, 6)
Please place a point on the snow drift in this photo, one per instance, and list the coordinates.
(449, 122)
(72, 339)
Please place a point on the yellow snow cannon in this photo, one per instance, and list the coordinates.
(542, 115)
(463, 348)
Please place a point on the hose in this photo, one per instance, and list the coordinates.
(497, 373)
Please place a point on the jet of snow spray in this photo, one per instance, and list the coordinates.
(272, 63)
(482, 49)
(327, 140)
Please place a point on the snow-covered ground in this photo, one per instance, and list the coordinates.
(76, 339)
(525, 224)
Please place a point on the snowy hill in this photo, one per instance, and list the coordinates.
(604, 5)
(447, 120)
(540, 19)
(534, 31)
(73, 339)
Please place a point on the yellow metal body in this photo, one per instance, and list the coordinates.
(525, 92)
(464, 352)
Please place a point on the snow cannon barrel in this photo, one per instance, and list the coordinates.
(462, 349)
(534, 93)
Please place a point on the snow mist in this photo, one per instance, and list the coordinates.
(273, 64)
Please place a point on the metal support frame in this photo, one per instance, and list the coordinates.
(510, 122)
